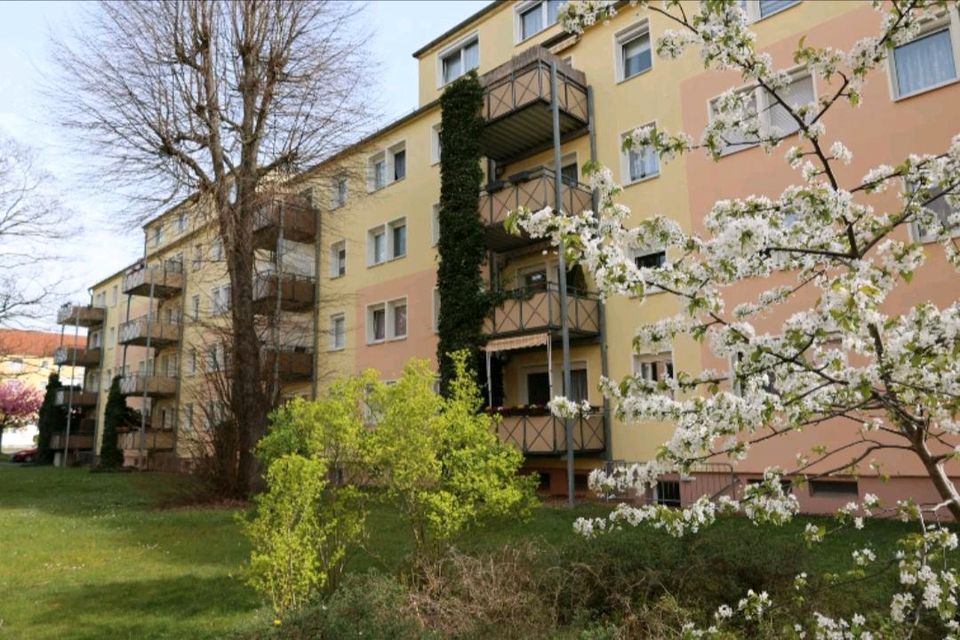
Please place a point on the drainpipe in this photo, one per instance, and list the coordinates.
(601, 306)
(317, 261)
(564, 315)
(73, 375)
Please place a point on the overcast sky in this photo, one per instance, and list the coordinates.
(101, 246)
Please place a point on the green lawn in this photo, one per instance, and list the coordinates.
(94, 556)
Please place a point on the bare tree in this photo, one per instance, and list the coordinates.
(30, 219)
(217, 99)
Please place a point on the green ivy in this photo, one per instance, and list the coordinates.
(51, 419)
(461, 247)
(114, 416)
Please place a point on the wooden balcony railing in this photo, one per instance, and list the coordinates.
(292, 292)
(290, 215)
(538, 309)
(155, 386)
(83, 315)
(80, 440)
(79, 356)
(293, 365)
(516, 104)
(544, 434)
(166, 279)
(153, 440)
(79, 398)
(533, 190)
(136, 332)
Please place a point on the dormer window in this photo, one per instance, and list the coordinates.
(534, 17)
(459, 60)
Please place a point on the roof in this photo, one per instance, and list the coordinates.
(35, 343)
(460, 25)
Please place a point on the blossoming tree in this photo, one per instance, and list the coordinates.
(19, 404)
(842, 358)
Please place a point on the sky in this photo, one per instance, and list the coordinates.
(101, 243)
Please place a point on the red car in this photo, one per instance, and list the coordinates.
(27, 455)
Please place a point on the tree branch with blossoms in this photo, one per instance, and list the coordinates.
(844, 357)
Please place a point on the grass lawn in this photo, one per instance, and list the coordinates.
(93, 556)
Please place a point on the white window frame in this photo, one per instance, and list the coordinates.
(389, 250)
(624, 36)
(436, 309)
(649, 359)
(222, 299)
(387, 157)
(181, 222)
(752, 9)
(157, 232)
(216, 250)
(391, 319)
(337, 198)
(372, 162)
(763, 104)
(371, 309)
(458, 46)
(335, 344)
(436, 150)
(625, 177)
(388, 307)
(195, 307)
(392, 152)
(334, 264)
(522, 8)
(951, 20)
(914, 227)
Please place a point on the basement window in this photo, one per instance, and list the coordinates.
(837, 488)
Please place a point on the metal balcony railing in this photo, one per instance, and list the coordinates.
(136, 331)
(166, 279)
(545, 434)
(83, 315)
(79, 398)
(517, 99)
(153, 440)
(538, 309)
(154, 386)
(79, 356)
(290, 215)
(533, 190)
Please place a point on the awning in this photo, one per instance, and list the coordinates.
(517, 342)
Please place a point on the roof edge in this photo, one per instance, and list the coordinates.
(460, 25)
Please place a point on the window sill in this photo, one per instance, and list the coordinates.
(338, 277)
(740, 148)
(636, 75)
(630, 183)
(530, 37)
(907, 96)
(336, 349)
(387, 261)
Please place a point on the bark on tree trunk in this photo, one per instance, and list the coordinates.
(941, 480)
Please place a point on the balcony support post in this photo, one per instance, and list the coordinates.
(143, 408)
(73, 374)
(564, 320)
(275, 386)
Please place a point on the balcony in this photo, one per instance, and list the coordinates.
(538, 310)
(78, 398)
(533, 190)
(288, 216)
(291, 292)
(153, 386)
(540, 433)
(165, 279)
(160, 334)
(153, 440)
(294, 365)
(82, 315)
(77, 356)
(516, 105)
(80, 440)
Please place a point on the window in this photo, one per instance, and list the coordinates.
(216, 250)
(197, 256)
(939, 205)
(216, 357)
(221, 299)
(435, 225)
(157, 234)
(436, 309)
(928, 61)
(774, 119)
(653, 367)
(400, 164)
(579, 389)
(188, 417)
(436, 146)
(459, 60)
(101, 299)
(379, 172)
(760, 9)
(195, 307)
(534, 279)
(653, 260)
(736, 379)
(338, 332)
(338, 192)
(387, 242)
(113, 337)
(181, 222)
(534, 17)
(192, 362)
(387, 321)
(837, 488)
(668, 493)
(633, 51)
(338, 259)
(639, 163)
(114, 295)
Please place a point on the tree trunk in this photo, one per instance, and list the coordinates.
(943, 483)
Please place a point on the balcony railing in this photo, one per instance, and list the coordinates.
(80, 440)
(516, 104)
(79, 356)
(153, 440)
(293, 365)
(291, 291)
(538, 309)
(79, 398)
(83, 315)
(165, 278)
(533, 190)
(136, 332)
(154, 386)
(545, 434)
(298, 222)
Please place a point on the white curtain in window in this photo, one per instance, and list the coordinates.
(471, 56)
(798, 93)
(532, 21)
(925, 62)
(643, 163)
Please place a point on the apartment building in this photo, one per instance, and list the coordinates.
(352, 282)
